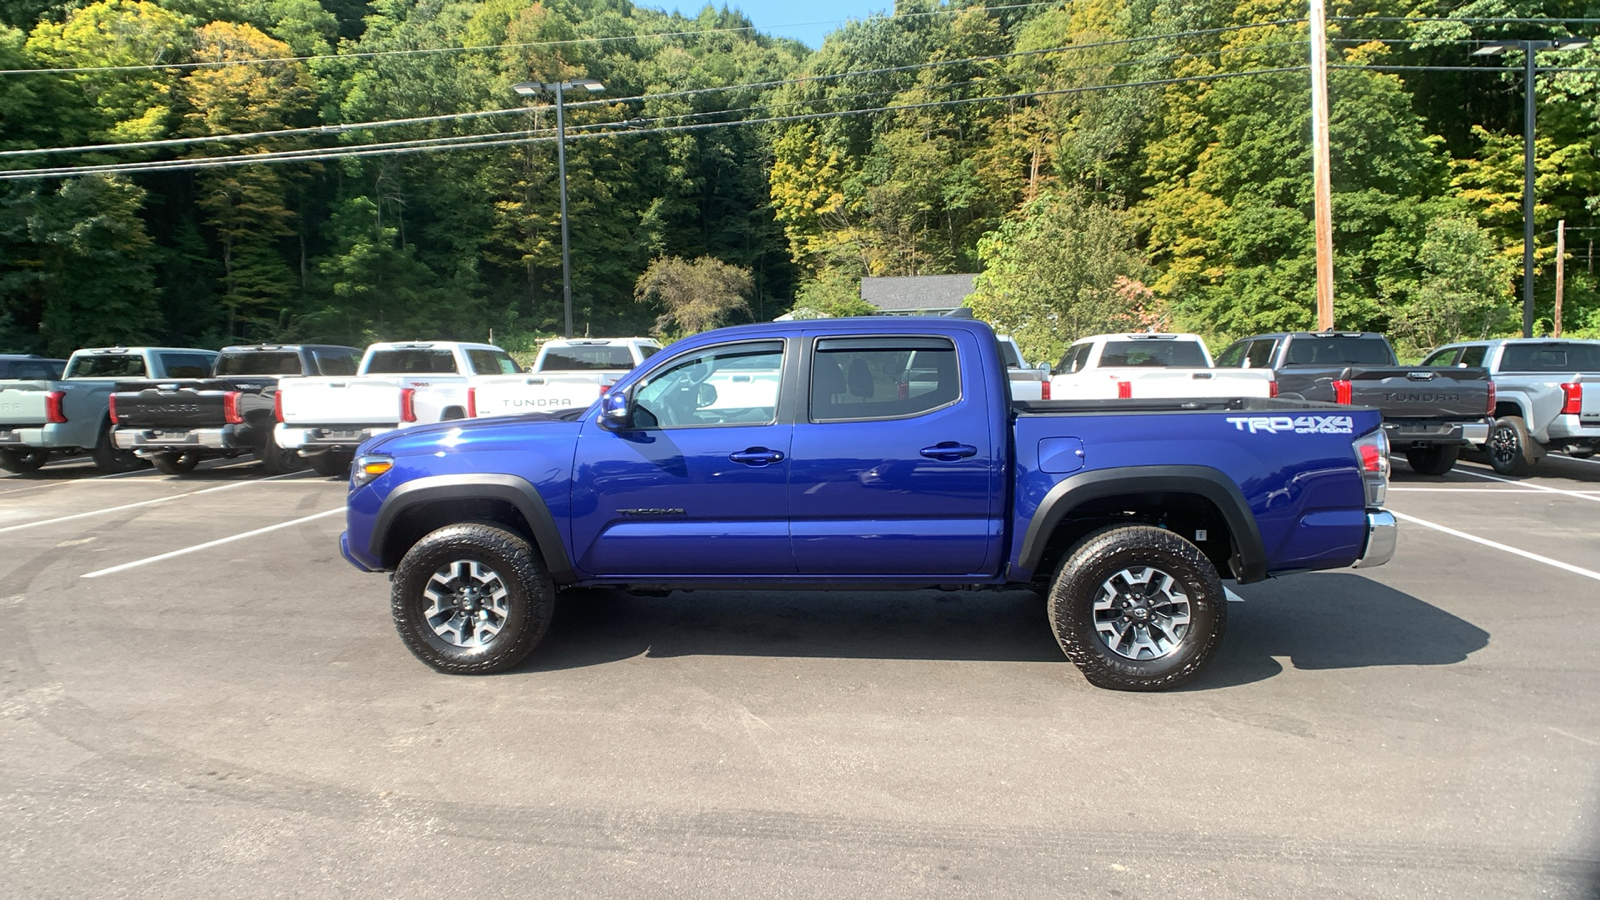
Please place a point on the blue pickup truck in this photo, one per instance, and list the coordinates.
(870, 453)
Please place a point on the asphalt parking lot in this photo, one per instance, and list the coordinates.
(198, 697)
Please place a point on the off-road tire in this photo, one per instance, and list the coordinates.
(1510, 447)
(107, 458)
(1099, 561)
(525, 610)
(332, 463)
(1434, 459)
(176, 463)
(23, 461)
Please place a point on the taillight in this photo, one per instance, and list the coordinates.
(408, 404)
(903, 391)
(604, 388)
(1492, 398)
(1343, 391)
(52, 407)
(1044, 390)
(277, 406)
(230, 408)
(1372, 452)
(1574, 394)
(1272, 388)
(472, 403)
(1124, 390)
(111, 410)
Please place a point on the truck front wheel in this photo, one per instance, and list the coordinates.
(472, 599)
(1137, 608)
(1433, 459)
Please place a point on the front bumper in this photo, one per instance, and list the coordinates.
(1383, 535)
(225, 438)
(310, 441)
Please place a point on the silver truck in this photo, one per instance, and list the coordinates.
(1027, 382)
(1547, 397)
(68, 416)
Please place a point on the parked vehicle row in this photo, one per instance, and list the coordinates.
(1150, 365)
(286, 404)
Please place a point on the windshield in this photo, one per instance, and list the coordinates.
(119, 365)
(412, 362)
(1371, 350)
(585, 357)
(277, 362)
(1180, 354)
(1571, 357)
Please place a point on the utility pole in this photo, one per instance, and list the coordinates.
(1319, 165)
(1561, 269)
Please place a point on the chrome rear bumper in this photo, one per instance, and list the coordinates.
(1382, 536)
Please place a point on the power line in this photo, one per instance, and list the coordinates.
(418, 120)
(486, 47)
(460, 143)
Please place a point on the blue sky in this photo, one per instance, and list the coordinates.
(806, 22)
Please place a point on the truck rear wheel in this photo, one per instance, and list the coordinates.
(472, 599)
(23, 461)
(1434, 459)
(332, 462)
(107, 458)
(1137, 608)
(176, 463)
(1511, 448)
(276, 460)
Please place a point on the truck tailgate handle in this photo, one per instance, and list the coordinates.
(1420, 376)
(949, 451)
(756, 456)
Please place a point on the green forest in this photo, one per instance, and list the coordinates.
(201, 172)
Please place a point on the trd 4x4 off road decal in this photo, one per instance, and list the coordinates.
(1294, 424)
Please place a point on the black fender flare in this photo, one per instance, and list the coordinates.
(1203, 481)
(509, 488)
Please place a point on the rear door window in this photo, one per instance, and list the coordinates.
(1074, 359)
(1260, 354)
(1232, 357)
(882, 377)
(336, 362)
(1445, 357)
(492, 362)
(1473, 356)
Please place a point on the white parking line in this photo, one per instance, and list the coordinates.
(137, 473)
(208, 544)
(1474, 490)
(112, 509)
(1528, 484)
(1576, 570)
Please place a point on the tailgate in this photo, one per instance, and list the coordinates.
(339, 401)
(1423, 393)
(512, 394)
(23, 402)
(170, 404)
(1198, 382)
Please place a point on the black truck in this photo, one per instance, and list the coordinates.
(177, 423)
(1430, 413)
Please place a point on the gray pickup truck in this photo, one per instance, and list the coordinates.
(176, 423)
(1430, 413)
(1548, 397)
(68, 416)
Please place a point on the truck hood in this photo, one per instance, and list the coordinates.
(468, 434)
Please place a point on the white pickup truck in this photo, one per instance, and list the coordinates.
(397, 384)
(1150, 366)
(567, 374)
(1027, 382)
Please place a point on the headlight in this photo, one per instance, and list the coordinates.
(367, 468)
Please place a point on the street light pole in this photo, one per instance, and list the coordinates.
(559, 88)
(1529, 112)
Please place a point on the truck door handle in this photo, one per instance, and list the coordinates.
(949, 451)
(756, 456)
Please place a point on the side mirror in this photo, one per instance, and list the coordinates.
(614, 410)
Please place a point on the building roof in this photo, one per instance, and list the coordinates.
(917, 293)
